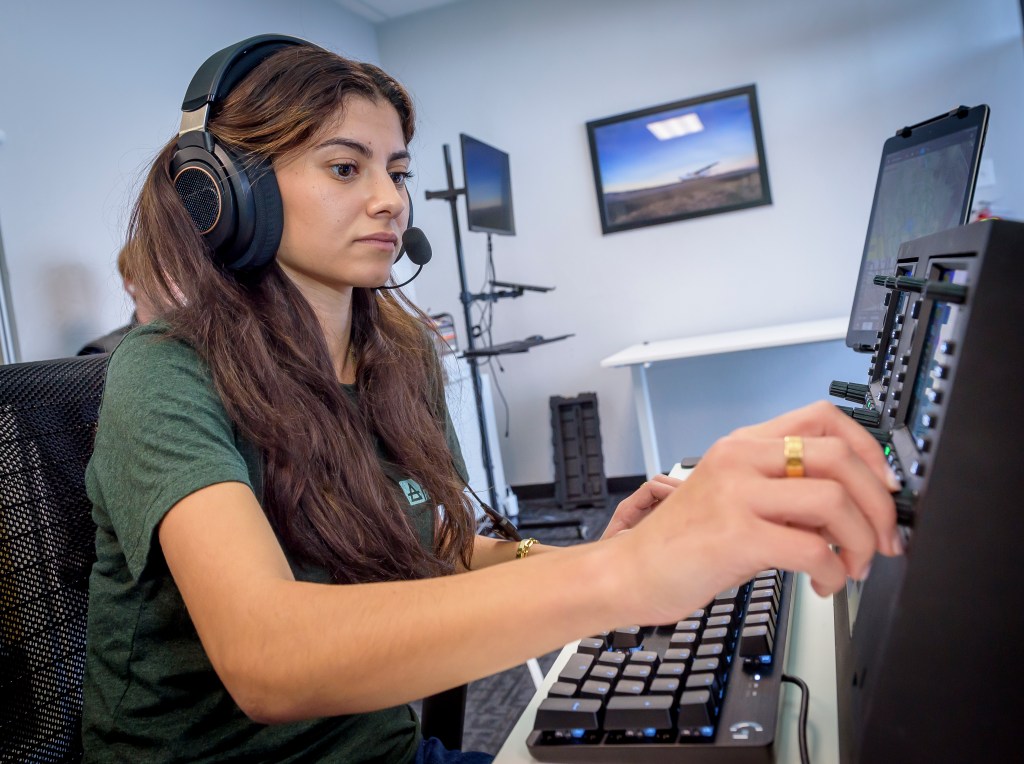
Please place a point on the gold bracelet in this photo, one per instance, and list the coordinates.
(524, 548)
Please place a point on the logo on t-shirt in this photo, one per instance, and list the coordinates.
(413, 493)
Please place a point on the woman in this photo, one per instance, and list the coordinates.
(273, 582)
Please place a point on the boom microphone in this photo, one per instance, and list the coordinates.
(414, 244)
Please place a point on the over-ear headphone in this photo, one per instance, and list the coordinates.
(233, 199)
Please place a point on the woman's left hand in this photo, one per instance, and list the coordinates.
(637, 505)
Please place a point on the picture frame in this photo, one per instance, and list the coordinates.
(690, 158)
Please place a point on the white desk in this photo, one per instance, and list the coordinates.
(640, 357)
(810, 656)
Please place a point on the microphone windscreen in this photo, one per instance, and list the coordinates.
(416, 246)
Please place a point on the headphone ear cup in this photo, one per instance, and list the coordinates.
(260, 220)
(234, 203)
(204, 189)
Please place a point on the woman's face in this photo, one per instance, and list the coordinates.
(345, 201)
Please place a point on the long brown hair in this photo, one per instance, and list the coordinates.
(325, 491)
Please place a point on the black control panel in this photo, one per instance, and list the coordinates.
(914, 365)
(924, 647)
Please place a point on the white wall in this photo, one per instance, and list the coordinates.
(88, 93)
(834, 81)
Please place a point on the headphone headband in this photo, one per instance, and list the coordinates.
(233, 199)
(224, 69)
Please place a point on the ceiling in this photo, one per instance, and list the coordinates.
(379, 11)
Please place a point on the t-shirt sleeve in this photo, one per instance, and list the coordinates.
(162, 435)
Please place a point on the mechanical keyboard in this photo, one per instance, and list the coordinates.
(707, 688)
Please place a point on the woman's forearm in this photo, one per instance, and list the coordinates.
(289, 650)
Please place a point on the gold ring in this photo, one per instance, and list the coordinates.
(793, 449)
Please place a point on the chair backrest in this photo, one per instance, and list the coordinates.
(48, 413)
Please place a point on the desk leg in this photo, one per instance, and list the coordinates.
(648, 436)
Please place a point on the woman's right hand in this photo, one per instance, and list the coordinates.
(738, 514)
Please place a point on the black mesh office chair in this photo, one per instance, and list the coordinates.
(48, 412)
(47, 422)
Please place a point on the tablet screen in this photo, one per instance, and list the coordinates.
(925, 185)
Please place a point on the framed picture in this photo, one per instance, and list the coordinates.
(681, 160)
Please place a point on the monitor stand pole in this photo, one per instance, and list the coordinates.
(451, 195)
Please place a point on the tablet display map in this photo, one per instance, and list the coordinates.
(922, 190)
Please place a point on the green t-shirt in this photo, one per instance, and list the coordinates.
(150, 692)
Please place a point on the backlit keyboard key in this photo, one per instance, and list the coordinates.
(651, 712)
(645, 657)
(591, 646)
(710, 650)
(760, 607)
(637, 671)
(626, 637)
(677, 655)
(681, 639)
(727, 595)
(562, 690)
(664, 686)
(717, 634)
(705, 664)
(696, 709)
(630, 687)
(612, 659)
(577, 668)
(604, 672)
(568, 713)
(670, 670)
(755, 641)
(707, 682)
(595, 689)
